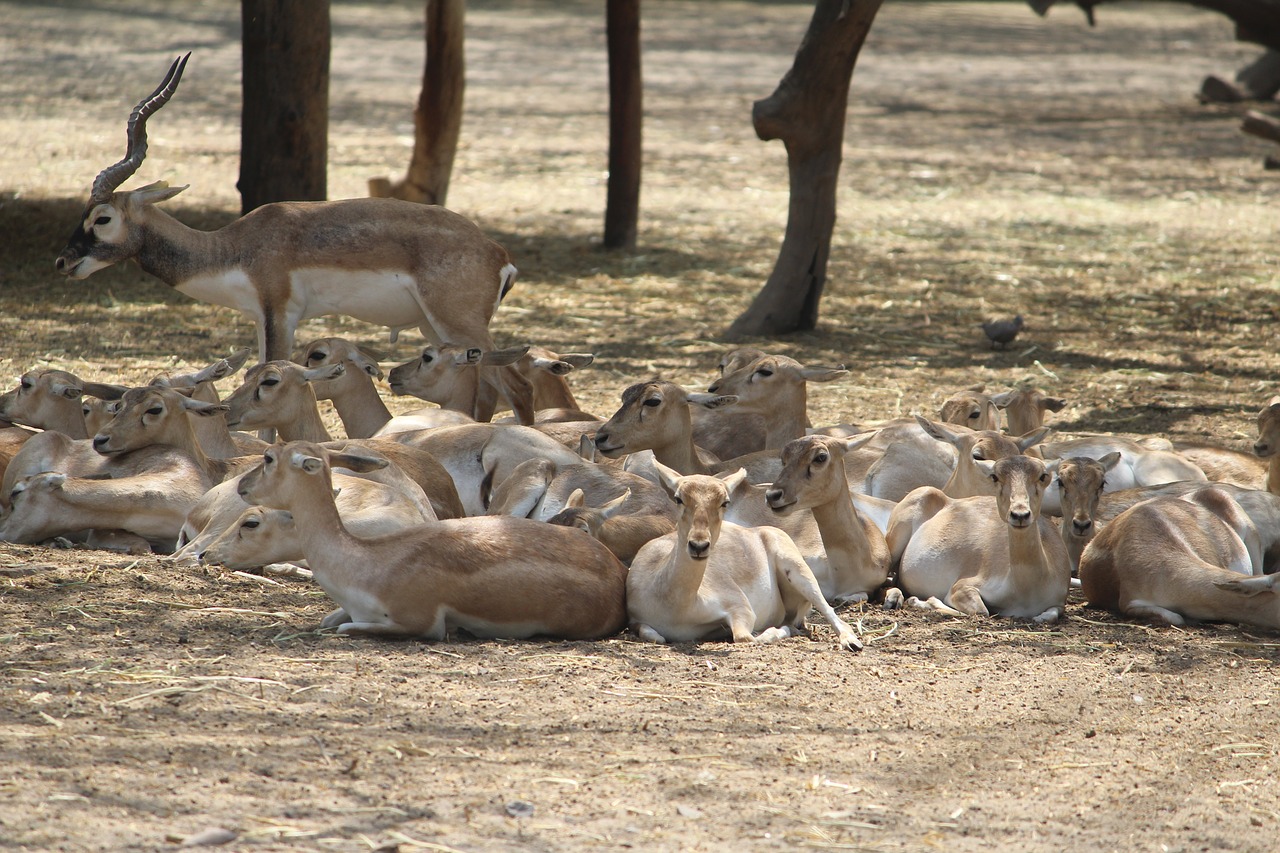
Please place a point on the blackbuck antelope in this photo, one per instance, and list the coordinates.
(712, 579)
(982, 555)
(1181, 558)
(813, 478)
(492, 576)
(384, 261)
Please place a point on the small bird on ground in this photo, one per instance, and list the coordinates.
(1002, 332)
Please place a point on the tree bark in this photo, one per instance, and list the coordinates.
(807, 112)
(626, 116)
(437, 120)
(284, 134)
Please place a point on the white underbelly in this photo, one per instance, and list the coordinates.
(385, 298)
(229, 288)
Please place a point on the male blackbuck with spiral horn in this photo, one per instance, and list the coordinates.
(384, 261)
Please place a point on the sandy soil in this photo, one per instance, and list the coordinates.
(996, 163)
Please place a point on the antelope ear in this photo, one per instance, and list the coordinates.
(71, 392)
(503, 357)
(986, 466)
(328, 371)
(710, 401)
(1032, 438)
(356, 462)
(610, 509)
(157, 192)
(575, 499)
(1003, 399)
(938, 431)
(197, 407)
(823, 374)
(734, 480)
(668, 478)
(1110, 461)
(853, 442)
(1055, 404)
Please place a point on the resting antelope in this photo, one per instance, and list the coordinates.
(152, 505)
(775, 387)
(449, 376)
(49, 399)
(895, 472)
(712, 579)
(260, 537)
(982, 556)
(972, 408)
(625, 511)
(1024, 408)
(494, 577)
(813, 478)
(389, 262)
(1180, 558)
(1080, 481)
(657, 415)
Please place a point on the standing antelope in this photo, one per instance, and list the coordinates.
(384, 261)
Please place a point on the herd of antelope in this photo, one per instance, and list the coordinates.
(683, 516)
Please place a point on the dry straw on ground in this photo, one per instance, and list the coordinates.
(996, 164)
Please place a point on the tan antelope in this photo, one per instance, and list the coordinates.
(813, 478)
(622, 510)
(491, 576)
(657, 415)
(1024, 408)
(774, 387)
(1268, 444)
(968, 479)
(260, 537)
(972, 408)
(388, 262)
(712, 579)
(1149, 462)
(157, 416)
(280, 395)
(449, 375)
(1080, 481)
(1180, 558)
(151, 505)
(991, 556)
(50, 399)
(352, 392)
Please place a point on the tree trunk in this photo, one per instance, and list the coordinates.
(284, 134)
(622, 208)
(437, 121)
(807, 112)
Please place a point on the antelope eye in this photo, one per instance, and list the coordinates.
(979, 455)
(973, 416)
(678, 501)
(25, 383)
(102, 220)
(764, 372)
(155, 410)
(995, 479)
(821, 457)
(315, 356)
(427, 358)
(251, 523)
(653, 402)
(725, 505)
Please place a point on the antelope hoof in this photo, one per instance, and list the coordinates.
(893, 598)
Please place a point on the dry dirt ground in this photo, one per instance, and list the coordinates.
(996, 163)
